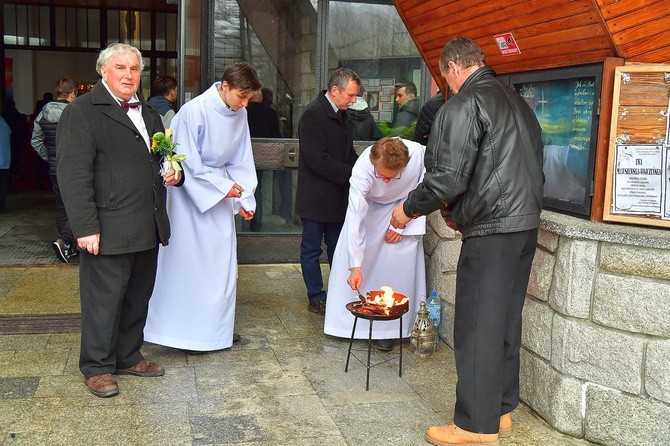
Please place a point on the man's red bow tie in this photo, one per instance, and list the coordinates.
(125, 105)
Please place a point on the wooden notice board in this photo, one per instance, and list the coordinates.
(638, 171)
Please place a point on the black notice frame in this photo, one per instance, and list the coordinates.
(566, 102)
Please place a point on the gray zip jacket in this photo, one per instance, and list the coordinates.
(44, 132)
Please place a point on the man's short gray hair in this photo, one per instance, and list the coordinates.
(462, 51)
(341, 78)
(114, 50)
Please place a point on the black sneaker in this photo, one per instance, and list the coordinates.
(61, 250)
(70, 251)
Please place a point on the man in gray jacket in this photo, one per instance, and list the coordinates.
(44, 142)
(484, 171)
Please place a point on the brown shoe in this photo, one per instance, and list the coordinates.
(318, 307)
(103, 385)
(505, 429)
(454, 435)
(143, 368)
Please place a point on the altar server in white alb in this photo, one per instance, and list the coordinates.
(193, 303)
(370, 253)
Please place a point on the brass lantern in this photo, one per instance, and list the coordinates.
(424, 335)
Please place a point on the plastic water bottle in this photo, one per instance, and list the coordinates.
(434, 306)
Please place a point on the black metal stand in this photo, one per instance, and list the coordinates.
(351, 342)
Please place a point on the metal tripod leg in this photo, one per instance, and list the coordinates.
(351, 341)
(367, 378)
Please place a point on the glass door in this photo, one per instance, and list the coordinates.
(189, 64)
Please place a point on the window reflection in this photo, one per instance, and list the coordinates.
(372, 40)
(280, 40)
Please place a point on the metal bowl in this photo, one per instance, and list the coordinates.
(373, 311)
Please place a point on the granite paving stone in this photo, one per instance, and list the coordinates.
(282, 384)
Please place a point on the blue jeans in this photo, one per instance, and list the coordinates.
(310, 251)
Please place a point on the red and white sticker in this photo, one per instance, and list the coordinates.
(507, 44)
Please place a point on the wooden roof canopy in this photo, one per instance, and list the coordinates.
(549, 33)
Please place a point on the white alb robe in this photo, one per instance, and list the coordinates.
(193, 302)
(361, 243)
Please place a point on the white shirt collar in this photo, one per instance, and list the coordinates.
(332, 104)
(133, 99)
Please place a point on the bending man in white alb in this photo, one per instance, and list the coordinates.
(370, 253)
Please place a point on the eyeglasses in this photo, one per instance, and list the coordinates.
(384, 177)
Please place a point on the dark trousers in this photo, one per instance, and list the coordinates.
(62, 222)
(4, 187)
(310, 251)
(282, 200)
(115, 292)
(491, 284)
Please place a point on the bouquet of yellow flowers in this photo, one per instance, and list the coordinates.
(161, 144)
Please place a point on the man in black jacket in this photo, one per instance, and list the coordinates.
(44, 143)
(426, 116)
(114, 195)
(263, 123)
(324, 167)
(484, 170)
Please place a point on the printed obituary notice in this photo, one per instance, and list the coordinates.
(638, 179)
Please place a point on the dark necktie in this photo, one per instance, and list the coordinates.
(341, 114)
(125, 105)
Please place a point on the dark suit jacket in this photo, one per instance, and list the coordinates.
(109, 180)
(263, 121)
(324, 164)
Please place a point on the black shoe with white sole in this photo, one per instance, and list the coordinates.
(61, 249)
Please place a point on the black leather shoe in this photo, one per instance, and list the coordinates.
(384, 345)
(236, 337)
(318, 307)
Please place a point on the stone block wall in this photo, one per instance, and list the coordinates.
(595, 361)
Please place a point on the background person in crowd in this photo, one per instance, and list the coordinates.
(5, 161)
(426, 116)
(324, 167)
(408, 105)
(19, 137)
(193, 305)
(164, 99)
(404, 121)
(365, 127)
(263, 123)
(44, 142)
(370, 253)
(114, 195)
(39, 105)
(485, 164)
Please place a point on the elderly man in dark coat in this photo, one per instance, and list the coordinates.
(324, 167)
(115, 199)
